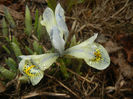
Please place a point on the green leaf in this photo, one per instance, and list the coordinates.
(4, 28)
(73, 41)
(6, 73)
(28, 21)
(9, 18)
(29, 50)
(15, 40)
(39, 29)
(63, 69)
(11, 64)
(36, 20)
(6, 49)
(16, 49)
(37, 48)
(52, 4)
(78, 68)
(70, 3)
(23, 79)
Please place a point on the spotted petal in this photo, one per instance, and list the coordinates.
(31, 71)
(32, 66)
(99, 57)
(95, 55)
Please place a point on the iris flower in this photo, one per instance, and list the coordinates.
(94, 54)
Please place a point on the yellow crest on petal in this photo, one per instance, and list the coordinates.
(32, 72)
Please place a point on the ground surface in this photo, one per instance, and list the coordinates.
(112, 19)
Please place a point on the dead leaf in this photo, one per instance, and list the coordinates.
(112, 47)
(127, 43)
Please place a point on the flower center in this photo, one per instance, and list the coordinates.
(27, 70)
(98, 56)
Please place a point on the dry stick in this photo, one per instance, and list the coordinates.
(83, 78)
(63, 86)
(120, 9)
(90, 25)
(35, 93)
(93, 89)
(58, 64)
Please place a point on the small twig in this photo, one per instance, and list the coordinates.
(35, 93)
(120, 9)
(63, 86)
(89, 25)
(83, 78)
(96, 85)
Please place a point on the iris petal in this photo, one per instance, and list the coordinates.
(60, 19)
(32, 66)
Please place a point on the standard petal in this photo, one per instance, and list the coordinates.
(56, 40)
(31, 71)
(99, 57)
(60, 19)
(48, 19)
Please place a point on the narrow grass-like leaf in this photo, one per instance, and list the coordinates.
(52, 4)
(29, 50)
(78, 67)
(23, 79)
(73, 41)
(70, 3)
(63, 69)
(39, 29)
(11, 64)
(6, 49)
(37, 48)
(7, 74)
(4, 28)
(16, 49)
(36, 20)
(15, 40)
(9, 18)
(28, 21)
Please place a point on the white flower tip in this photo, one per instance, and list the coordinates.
(42, 23)
(95, 35)
(58, 5)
